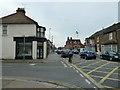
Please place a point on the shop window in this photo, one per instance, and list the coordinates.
(21, 51)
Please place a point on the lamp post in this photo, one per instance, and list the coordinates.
(49, 33)
(77, 33)
(23, 47)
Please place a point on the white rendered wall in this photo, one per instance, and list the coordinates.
(15, 30)
(45, 50)
(8, 47)
(34, 49)
(18, 30)
(0, 40)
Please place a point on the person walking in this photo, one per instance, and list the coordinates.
(70, 55)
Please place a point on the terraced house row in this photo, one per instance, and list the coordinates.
(107, 39)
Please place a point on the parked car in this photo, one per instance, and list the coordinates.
(59, 51)
(110, 55)
(75, 51)
(88, 55)
(65, 54)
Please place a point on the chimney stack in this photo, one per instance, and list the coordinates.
(21, 10)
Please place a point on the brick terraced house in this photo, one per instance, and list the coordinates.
(107, 39)
(22, 37)
(73, 43)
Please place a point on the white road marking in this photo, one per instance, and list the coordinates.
(64, 64)
(87, 81)
(73, 68)
(68, 64)
(77, 71)
(81, 75)
(32, 64)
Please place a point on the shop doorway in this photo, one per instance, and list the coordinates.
(39, 52)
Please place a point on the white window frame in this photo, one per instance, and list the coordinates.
(110, 36)
(98, 39)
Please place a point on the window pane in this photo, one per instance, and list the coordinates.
(42, 30)
(4, 30)
(28, 49)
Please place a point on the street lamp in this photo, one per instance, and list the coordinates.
(77, 33)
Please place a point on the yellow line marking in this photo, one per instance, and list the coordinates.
(101, 81)
(97, 68)
(91, 64)
(88, 77)
(96, 76)
(109, 87)
(103, 68)
(114, 79)
(103, 77)
(99, 71)
(85, 69)
(80, 63)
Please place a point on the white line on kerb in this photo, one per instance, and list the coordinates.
(87, 81)
(81, 75)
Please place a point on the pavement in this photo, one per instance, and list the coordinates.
(49, 58)
(19, 83)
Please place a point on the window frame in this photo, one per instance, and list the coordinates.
(110, 36)
(4, 30)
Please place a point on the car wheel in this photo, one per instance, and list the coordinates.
(86, 57)
(101, 57)
(111, 59)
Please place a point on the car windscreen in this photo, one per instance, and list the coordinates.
(89, 52)
(113, 53)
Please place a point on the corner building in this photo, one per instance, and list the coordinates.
(22, 37)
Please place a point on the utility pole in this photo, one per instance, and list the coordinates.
(23, 47)
(49, 33)
(52, 39)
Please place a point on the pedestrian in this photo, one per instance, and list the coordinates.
(70, 55)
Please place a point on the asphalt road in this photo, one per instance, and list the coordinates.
(103, 72)
(55, 70)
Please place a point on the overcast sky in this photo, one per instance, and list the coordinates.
(65, 18)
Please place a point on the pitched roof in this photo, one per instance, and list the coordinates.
(112, 28)
(18, 18)
(109, 29)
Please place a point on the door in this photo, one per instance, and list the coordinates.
(39, 52)
(107, 55)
